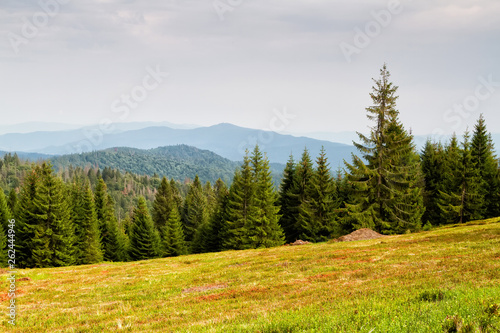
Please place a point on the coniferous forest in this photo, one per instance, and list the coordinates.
(85, 215)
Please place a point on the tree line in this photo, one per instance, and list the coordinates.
(70, 219)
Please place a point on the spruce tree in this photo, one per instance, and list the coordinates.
(287, 201)
(432, 161)
(194, 212)
(483, 156)
(26, 220)
(388, 193)
(162, 205)
(241, 211)
(266, 232)
(52, 244)
(317, 214)
(173, 240)
(5, 212)
(12, 200)
(144, 238)
(3, 247)
(216, 230)
(463, 198)
(84, 217)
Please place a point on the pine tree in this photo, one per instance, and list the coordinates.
(12, 200)
(5, 212)
(162, 205)
(216, 230)
(241, 211)
(26, 221)
(299, 195)
(173, 241)
(483, 156)
(432, 161)
(317, 214)
(388, 193)
(266, 232)
(84, 217)
(144, 239)
(52, 244)
(462, 199)
(194, 212)
(287, 201)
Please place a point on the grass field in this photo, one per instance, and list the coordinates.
(426, 282)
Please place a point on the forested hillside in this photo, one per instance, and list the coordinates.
(389, 187)
(179, 162)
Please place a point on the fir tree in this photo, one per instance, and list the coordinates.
(114, 244)
(12, 200)
(463, 198)
(52, 244)
(84, 217)
(287, 201)
(144, 239)
(317, 214)
(388, 193)
(215, 234)
(266, 232)
(194, 212)
(5, 212)
(432, 161)
(173, 241)
(27, 221)
(484, 158)
(162, 205)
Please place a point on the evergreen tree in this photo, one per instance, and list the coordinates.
(5, 212)
(173, 241)
(3, 247)
(432, 161)
(483, 156)
(317, 214)
(12, 200)
(388, 193)
(287, 201)
(194, 212)
(216, 231)
(144, 239)
(462, 199)
(52, 244)
(162, 205)
(266, 232)
(114, 244)
(86, 227)
(241, 211)
(26, 221)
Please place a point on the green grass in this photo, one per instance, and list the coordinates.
(434, 281)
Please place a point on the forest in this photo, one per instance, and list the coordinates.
(77, 215)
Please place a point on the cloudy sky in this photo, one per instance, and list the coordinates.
(245, 61)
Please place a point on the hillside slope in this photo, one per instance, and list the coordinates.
(178, 162)
(421, 282)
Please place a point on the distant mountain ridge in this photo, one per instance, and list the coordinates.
(226, 140)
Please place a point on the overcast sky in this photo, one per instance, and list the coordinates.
(243, 61)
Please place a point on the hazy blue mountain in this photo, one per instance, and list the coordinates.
(226, 140)
(27, 156)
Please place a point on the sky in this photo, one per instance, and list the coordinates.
(294, 66)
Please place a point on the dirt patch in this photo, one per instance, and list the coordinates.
(361, 234)
(24, 279)
(204, 288)
(300, 242)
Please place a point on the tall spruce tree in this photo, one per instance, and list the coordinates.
(5, 212)
(432, 161)
(26, 220)
(12, 200)
(162, 205)
(194, 212)
(287, 201)
(388, 196)
(485, 160)
(266, 232)
(52, 243)
(216, 230)
(144, 238)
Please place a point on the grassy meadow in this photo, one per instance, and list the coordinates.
(447, 279)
